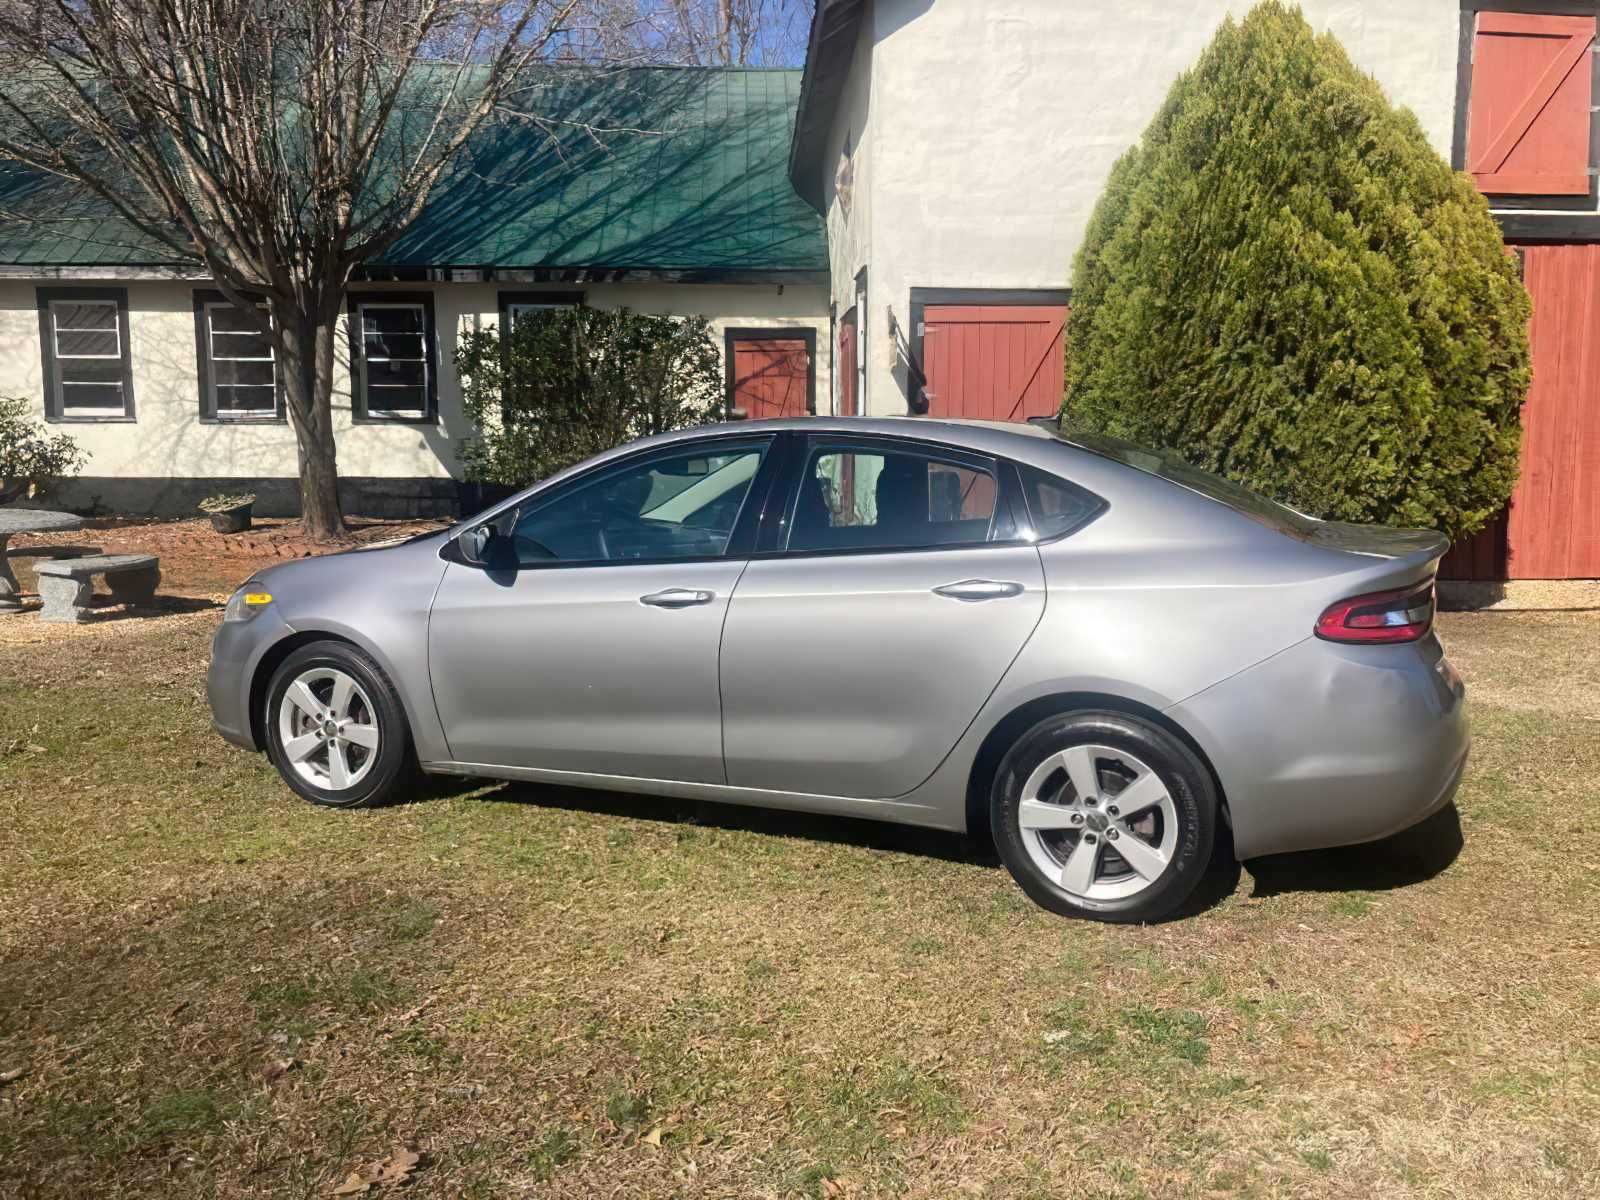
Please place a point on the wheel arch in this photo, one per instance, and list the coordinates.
(1024, 717)
(268, 666)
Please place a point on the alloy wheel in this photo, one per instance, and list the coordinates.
(328, 729)
(1099, 822)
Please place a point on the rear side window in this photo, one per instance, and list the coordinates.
(1055, 506)
(890, 500)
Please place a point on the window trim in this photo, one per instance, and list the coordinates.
(55, 410)
(741, 540)
(1007, 498)
(734, 334)
(204, 300)
(360, 412)
(1531, 201)
(506, 301)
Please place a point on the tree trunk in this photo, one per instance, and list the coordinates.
(308, 393)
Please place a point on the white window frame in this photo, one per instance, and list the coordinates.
(366, 411)
(59, 385)
(214, 409)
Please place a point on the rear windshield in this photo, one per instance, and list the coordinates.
(1166, 465)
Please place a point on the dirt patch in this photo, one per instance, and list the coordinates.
(196, 561)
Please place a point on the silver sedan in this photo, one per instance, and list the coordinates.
(1091, 652)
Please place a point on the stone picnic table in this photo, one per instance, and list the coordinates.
(25, 520)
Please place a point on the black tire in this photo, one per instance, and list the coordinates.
(393, 773)
(1187, 782)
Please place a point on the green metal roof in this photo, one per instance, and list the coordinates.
(650, 169)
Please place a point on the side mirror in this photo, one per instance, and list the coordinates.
(474, 544)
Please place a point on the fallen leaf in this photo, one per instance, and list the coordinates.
(394, 1167)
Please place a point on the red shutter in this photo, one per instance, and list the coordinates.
(771, 377)
(1528, 116)
(994, 362)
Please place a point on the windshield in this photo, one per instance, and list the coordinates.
(1167, 465)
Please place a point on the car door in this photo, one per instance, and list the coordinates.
(589, 643)
(857, 652)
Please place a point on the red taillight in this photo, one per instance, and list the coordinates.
(1403, 615)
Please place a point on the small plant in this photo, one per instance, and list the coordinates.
(31, 459)
(227, 502)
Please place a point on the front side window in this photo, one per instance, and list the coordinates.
(392, 358)
(87, 368)
(891, 500)
(239, 371)
(684, 504)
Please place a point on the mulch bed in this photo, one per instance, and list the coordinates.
(195, 559)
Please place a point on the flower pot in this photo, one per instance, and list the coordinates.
(232, 520)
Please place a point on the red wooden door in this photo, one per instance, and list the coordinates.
(844, 365)
(994, 362)
(1528, 115)
(1553, 531)
(771, 377)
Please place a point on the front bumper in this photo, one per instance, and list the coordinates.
(1328, 745)
(236, 652)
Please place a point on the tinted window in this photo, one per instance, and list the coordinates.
(681, 505)
(857, 500)
(1167, 465)
(1056, 506)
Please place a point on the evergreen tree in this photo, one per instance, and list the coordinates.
(1286, 284)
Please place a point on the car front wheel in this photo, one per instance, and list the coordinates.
(1104, 815)
(336, 730)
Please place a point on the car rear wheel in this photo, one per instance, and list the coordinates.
(336, 730)
(1104, 815)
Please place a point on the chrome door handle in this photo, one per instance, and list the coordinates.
(677, 598)
(979, 589)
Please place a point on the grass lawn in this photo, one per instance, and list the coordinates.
(213, 989)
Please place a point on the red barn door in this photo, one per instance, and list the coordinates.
(1553, 531)
(770, 374)
(993, 362)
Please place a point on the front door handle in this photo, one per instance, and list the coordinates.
(678, 598)
(979, 589)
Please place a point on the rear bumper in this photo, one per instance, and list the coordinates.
(1328, 745)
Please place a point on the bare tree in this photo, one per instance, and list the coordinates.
(750, 33)
(275, 144)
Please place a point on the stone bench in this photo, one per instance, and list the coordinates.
(65, 584)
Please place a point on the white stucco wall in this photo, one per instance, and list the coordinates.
(994, 126)
(168, 440)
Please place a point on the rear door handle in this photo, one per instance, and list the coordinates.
(677, 598)
(979, 589)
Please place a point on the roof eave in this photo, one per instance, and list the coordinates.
(834, 27)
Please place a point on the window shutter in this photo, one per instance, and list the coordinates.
(1528, 117)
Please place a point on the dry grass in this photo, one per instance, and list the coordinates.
(535, 987)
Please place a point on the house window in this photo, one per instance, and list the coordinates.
(1524, 96)
(238, 369)
(515, 305)
(392, 357)
(83, 334)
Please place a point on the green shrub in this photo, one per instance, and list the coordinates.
(1284, 283)
(31, 460)
(569, 382)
